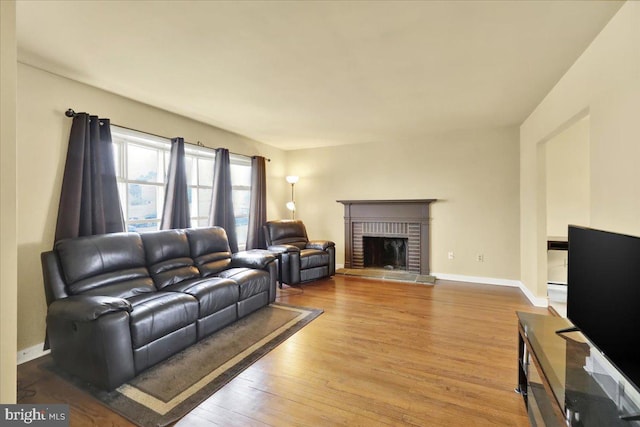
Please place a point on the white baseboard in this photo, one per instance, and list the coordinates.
(31, 353)
(538, 302)
(339, 266)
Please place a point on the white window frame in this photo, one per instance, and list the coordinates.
(240, 160)
(196, 153)
(123, 137)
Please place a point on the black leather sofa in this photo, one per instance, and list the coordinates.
(303, 260)
(122, 302)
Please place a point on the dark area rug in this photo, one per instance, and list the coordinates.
(166, 392)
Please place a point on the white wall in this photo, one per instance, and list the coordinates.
(8, 253)
(473, 174)
(604, 83)
(43, 135)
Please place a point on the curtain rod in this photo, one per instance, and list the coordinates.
(71, 113)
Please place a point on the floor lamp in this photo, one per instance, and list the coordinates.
(292, 179)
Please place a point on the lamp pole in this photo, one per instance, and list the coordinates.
(292, 179)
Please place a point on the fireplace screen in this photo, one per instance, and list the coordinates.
(385, 252)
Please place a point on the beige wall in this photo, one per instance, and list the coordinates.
(568, 190)
(568, 179)
(43, 132)
(604, 83)
(474, 174)
(8, 253)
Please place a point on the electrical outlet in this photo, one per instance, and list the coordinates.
(480, 258)
(451, 255)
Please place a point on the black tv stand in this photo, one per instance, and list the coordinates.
(567, 381)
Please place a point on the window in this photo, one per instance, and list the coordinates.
(142, 162)
(241, 195)
(199, 165)
(141, 169)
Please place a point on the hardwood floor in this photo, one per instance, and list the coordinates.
(383, 353)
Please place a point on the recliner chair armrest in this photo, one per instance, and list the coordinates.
(283, 249)
(320, 244)
(86, 308)
(255, 258)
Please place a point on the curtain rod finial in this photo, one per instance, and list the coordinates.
(70, 113)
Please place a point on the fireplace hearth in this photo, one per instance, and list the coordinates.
(402, 224)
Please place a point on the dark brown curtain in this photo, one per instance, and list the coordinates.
(221, 200)
(175, 213)
(89, 201)
(258, 204)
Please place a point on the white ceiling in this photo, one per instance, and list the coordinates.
(314, 73)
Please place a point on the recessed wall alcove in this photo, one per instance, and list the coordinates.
(393, 219)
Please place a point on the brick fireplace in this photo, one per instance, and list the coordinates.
(406, 220)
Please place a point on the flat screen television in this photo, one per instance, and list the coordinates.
(603, 294)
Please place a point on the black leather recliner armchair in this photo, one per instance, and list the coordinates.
(303, 260)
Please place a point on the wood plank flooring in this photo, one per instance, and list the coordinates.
(383, 353)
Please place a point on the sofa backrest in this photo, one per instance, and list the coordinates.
(286, 232)
(168, 257)
(209, 249)
(109, 264)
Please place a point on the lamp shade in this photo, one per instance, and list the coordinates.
(292, 179)
(291, 206)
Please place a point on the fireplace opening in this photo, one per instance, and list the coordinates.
(385, 252)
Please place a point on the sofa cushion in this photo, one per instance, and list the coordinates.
(169, 257)
(250, 282)
(160, 313)
(209, 249)
(310, 258)
(119, 284)
(107, 264)
(213, 293)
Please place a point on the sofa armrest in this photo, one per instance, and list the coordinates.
(90, 337)
(254, 258)
(86, 308)
(283, 249)
(320, 244)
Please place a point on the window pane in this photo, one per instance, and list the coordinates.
(116, 158)
(205, 171)
(241, 201)
(144, 201)
(242, 228)
(142, 227)
(204, 202)
(167, 158)
(192, 196)
(144, 164)
(240, 175)
(188, 166)
(123, 197)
